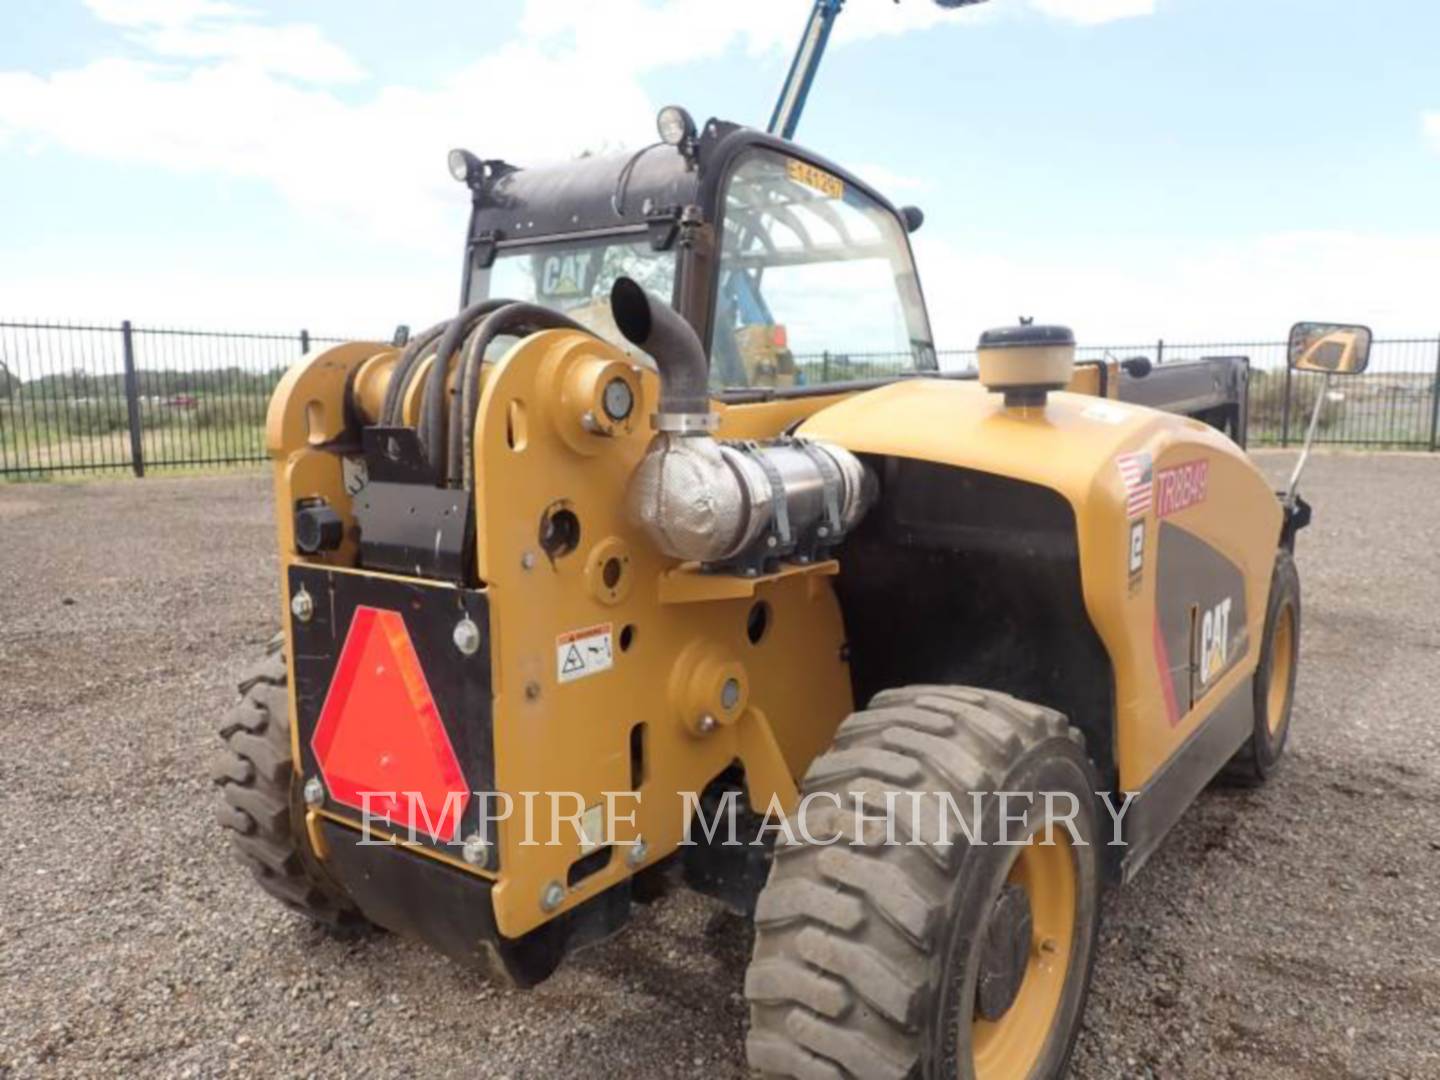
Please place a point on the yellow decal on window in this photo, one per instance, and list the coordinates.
(819, 179)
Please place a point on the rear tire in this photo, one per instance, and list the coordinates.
(261, 810)
(1258, 759)
(877, 960)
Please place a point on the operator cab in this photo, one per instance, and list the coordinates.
(794, 273)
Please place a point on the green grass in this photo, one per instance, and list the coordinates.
(41, 437)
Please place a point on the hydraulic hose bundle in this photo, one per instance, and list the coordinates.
(447, 436)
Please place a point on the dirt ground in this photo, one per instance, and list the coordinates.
(1292, 931)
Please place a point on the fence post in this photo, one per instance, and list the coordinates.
(1435, 401)
(1285, 408)
(304, 342)
(1160, 351)
(132, 400)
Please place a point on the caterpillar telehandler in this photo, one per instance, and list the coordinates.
(678, 522)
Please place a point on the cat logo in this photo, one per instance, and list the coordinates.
(566, 276)
(1214, 641)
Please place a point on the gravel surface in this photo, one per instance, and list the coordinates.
(1288, 932)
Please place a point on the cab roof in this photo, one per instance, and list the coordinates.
(606, 192)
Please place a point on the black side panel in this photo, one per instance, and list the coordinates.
(407, 524)
(962, 577)
(1163, 799)
(460, 685)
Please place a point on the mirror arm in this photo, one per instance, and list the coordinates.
(1309, 442)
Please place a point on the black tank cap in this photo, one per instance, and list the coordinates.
(1026, 336)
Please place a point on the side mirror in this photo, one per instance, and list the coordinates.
(1332, 348)
(913, 217)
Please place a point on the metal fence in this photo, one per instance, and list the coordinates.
(87, 399)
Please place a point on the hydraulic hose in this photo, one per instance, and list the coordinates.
(431, 429)
(404, 371)
(514, 318)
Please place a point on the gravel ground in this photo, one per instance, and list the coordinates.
(1287, 932)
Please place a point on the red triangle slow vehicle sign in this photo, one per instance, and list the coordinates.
(379, 741)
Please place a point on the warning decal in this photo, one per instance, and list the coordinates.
(579, 653)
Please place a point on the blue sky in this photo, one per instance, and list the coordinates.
(1136, 168)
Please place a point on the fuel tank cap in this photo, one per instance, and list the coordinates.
(1026, 362)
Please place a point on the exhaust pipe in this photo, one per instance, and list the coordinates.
(684, 373)
(740, 507)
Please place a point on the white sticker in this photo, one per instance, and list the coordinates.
(1106, 412)
(1137, 546)
(583, 652)
(354, 474)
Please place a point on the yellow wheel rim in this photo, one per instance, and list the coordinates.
(1010, 1048)
(1282, 661)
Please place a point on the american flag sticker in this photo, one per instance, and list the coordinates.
(1137, 472)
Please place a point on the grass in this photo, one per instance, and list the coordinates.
(44, 436)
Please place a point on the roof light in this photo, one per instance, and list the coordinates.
(675, 125)
(464, 166)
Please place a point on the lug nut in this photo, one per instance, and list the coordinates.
(476, 850)
(552, 897)
(314, 791)
(638, 852)
(467, 636)
(302, 605)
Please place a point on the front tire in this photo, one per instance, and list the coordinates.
(260, 807)
(916, 958)
(1258, 759)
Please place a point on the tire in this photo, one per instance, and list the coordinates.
(260, 808)
(869, 957)
(1257, 760)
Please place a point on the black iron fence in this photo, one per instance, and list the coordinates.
(87, 399)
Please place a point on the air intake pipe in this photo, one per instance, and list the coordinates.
(740, 507)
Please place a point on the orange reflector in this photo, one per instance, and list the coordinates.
(379, 732)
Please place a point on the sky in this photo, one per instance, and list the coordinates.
(1198, 170)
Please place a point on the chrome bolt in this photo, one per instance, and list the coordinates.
(476, 850)
(552, 897)
(302, 605)
(730, 694)
(527, 561)
(822, 531)
(467, 636)
(707, 724)
(638, 852)
(314, 792)
(772, 541)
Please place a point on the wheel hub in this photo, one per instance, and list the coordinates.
(1005, 953)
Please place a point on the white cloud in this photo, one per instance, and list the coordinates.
(216, 31)
(1093, 12)
(1247, 289)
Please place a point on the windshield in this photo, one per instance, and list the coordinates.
(574, 276)
(816, 283)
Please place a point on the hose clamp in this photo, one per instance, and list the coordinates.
(685, 423)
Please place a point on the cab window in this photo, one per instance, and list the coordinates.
(816, 282)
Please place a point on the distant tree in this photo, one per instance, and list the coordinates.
(7, 382)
